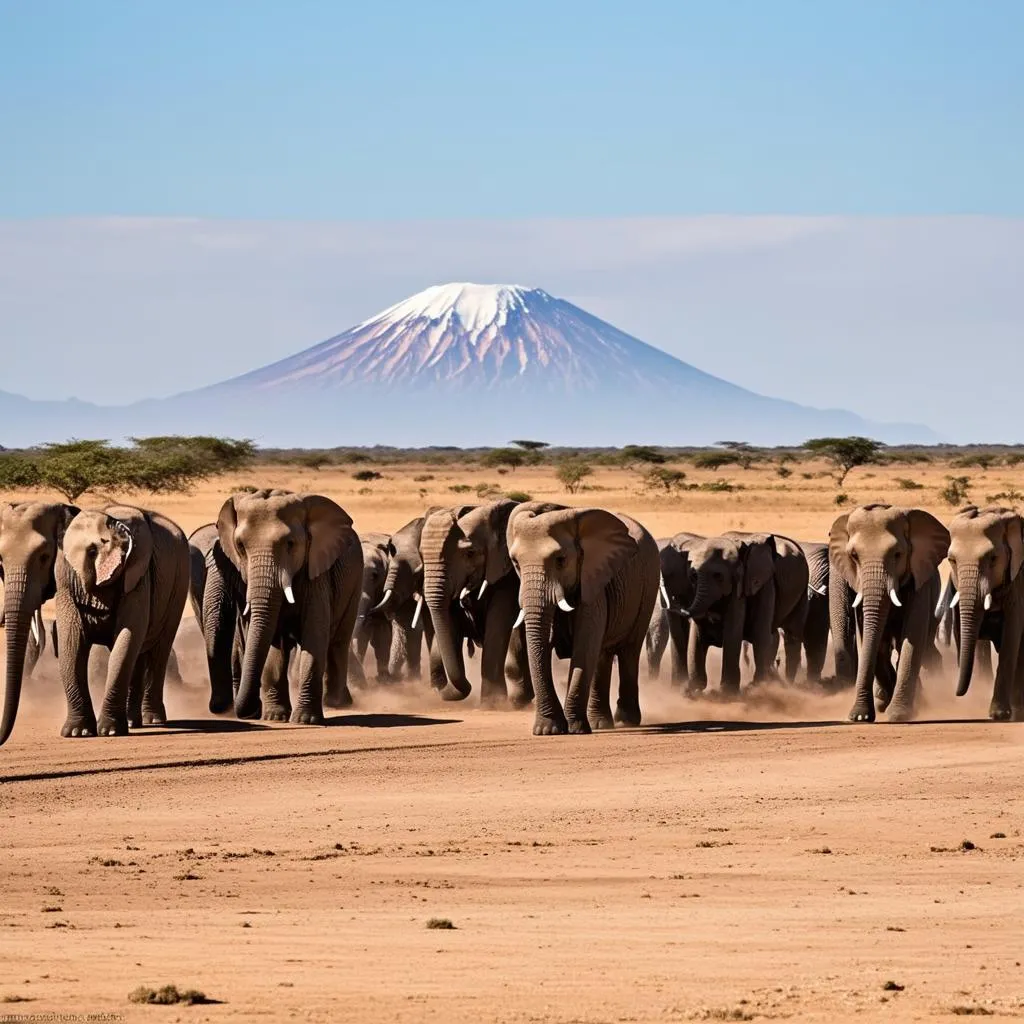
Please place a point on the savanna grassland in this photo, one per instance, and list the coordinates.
(421, 861)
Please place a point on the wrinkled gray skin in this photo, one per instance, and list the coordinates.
(302, 564)
(748, 587)
(816, 626)
(670, 627)
(879, 551)
(948, 635)
(122, 583)
(588, 586)
(373, 626)
(986, 554)
(472, 595)
(30, 537)
(403, 604)
(217, 593)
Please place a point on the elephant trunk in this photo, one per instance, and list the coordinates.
(875, 587)
(18, 613)
(842, 624)
(702, 599)
(538, 619)
(970, 588)
(219, 621)
(264, 597)
(436, 593)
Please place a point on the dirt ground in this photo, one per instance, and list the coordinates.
(726, 861)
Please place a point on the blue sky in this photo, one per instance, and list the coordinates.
(315, 110)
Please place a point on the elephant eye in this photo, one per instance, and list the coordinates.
(560, 561)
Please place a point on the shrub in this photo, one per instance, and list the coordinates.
(980, 461)
(908, 485)
(1013, 496)
(422, 479)
(313, 460)
(518, 496)
(244, 489)
(510, 457)
(956, 490)
(1014, 459)
(842, 499)
(633, 453)
(745, 455)
(572, 472)
(845, 453)
(487, 491)
(531, 446)
(784, 472)
(366, 475)
(168, 995)
(668, 479)
(441, 924)
(715, 460)
(459, 488)
(724, 486)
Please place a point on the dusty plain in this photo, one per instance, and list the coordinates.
(726, 861)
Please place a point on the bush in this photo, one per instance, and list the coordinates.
(633, 453)
(510, 457)
(366, 475)
(783, 472)
(908, 485)
(460, 488)
(842, 499)
(531, 446)
(313, 460)
(518, 496)
(1013, 496)
(487, 491)
(980, 461)
(956, 490)
(715, 460)
(422, 479)
(572, 472)
(724, 486)
(668, 479)
(1015, 459)
(169, 995)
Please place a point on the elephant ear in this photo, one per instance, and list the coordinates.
(838, 556)
(528, 510)
(758, 565)
(133, 524)
(407, 540)
(606, 546)
(227, 523)
(330, 530)
(1015, 543)
(498, 563)
(929, 545)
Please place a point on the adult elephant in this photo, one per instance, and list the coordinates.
(670, 626)
(748, 586)
(30, 537)
(373, 627)
(986, 554)
(816, 626)
(889, 557)
(122, 583)
(302, 564)
(588, 584)
(217, 594)
(471, 594)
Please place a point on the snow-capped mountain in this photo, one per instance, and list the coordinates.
(466, 365)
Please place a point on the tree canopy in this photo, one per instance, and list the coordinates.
(845, 453)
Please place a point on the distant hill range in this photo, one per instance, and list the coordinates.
(462, 364)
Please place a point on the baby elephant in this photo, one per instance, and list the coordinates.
(122, 583)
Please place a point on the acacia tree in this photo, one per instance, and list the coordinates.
(511, 457)
(572, 472)
(845, 453)
(531, 446)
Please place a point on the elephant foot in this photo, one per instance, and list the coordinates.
(602, 723)
(694, 691)
(453, 691)
(154, 715)
(883, 698)
(494, 702)
(77, 728)
(251, 711)
(627, 715)
(1017, 715)
(900, 714)
(544, 725)
(112, 725)
(276, 713)
(342, 699)
(1001, 713)
(862, 713)
(220, 705)
(307, 716)
(579, 727)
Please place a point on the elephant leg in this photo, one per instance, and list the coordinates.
(815, 642)
(438, 677)
(501, 616)
(362, 643)
(382, 649)
(912, 649)
(517, 671)
(113, 717)
(1017, 682)
(413, 645)
(309, 704)
(599, 707)
(764, 637)
(237, 654)
(337, 663)
(74, 674)
(627, 708)
(696, 660)
(885, 678)
(794, 646)
(679, 642)
(136, 689)
(732, 642)
(277, 704)
(315, 630)
(158, 663)
(1003, 696)
(588, 632)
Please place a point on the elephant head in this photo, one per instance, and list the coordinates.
(724, 569)
(280, 542)
(565, 558)
(465, 551)
(986, 551)
(375, 574)
(676, 586)
(30, 537)
(885, 555)
(405, 570)
(110, 550)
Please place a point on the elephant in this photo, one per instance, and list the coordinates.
(748, 586)
(816, 626)
(402, 602)
(373, 627)
(217, 594)
(669, 626)
(889, 557)
(122, 583)
(948, 633)
(302, 564)
(30, 537)
(588, 582)
(986, 554)
(471, 593)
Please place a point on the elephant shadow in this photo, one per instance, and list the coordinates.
(379, 720)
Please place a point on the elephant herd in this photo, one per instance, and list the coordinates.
(289, 600)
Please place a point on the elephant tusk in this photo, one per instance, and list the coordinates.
(463, 593)
(564, 605)
(483, 589)
(820, 591)
(383, 601)
(288, 595)
(520, 618)
(666, 602)
(416, 614)
(987, 602)
(37, 633)
(857, 600)
(895, 598)
(246, 610)
(956, 600)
